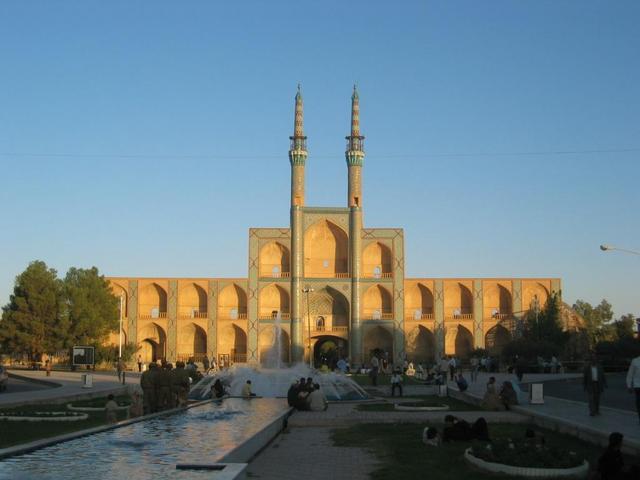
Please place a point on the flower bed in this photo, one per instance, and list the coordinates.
(43, 416)
(526, 458)
(420, 407)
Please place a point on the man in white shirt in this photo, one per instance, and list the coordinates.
(316, 400)
(375, 366)
(633, 381)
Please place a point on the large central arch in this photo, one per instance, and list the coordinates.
(325, 251)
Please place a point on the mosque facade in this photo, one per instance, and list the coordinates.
(325, 286)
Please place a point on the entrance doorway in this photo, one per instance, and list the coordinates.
(328, 350)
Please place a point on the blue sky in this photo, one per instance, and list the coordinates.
(146, 137)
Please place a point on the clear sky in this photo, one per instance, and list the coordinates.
(146, 137)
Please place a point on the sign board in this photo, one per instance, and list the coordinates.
(83, 355)
(536, 394)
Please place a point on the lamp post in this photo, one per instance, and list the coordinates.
(120, 332)
(307, 290)
(606, 248)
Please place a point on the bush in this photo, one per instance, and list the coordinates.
(529, 350)
(525, 453)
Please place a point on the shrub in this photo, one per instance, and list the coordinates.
(525, 453)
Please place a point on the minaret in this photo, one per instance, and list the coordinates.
(355, 157)
(298, 158)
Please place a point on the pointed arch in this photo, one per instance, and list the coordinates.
(232, 341)
(497, 300)
(274, 348)
(153, 341)
(421, 345)
(192, 342)
(378, 338)
(232, 303)
(377, 261)
(377, 303)
(463, 342)
(153, 301)
(458, 300)
(331, 306)
(418, 302)
(273, 299)
(274, 260)
(120, 292)
(496, 338)
(325, 251)
(532, 291)
(192, 301)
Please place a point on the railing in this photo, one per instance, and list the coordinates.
(377, 314)
(339, 329)
(185, 357)
(239, 358)
(460, 314)
(410, 315)
(341, 275)
(501, 316)
(270, 270)
(271, 316)
(227, 315)
(187, 315)
(373, 270)
(151, 316)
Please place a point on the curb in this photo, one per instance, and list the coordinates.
(39, 381)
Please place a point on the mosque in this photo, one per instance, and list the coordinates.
(324, 286)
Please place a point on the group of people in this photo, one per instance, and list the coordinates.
(456, 429)
(499, 400)
(304, 394)
(165, 387)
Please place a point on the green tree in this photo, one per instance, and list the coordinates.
(545, 325)
(92, 309)
(33, 322)
(597, 320)
(625, 326)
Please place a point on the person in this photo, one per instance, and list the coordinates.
(217, 390)
(475, 365)
(309, 385)
(444, 365)
(316, 401)
(120, 369)
(430, 437)
(508, 395)
(148, 381)
(373, 373)
(164, 387)
(111, 409)
(214, 365)
(396, 382)
(480, 430)
(611, 462)
(462, 383)
(491, 399)
(180, 384)
(411, 371)
(292, 393)
(246, 390)
(518, 368)
(439, 378)
(139, 363)
(456, 429)
(594, 383)
(633, 381)
(420, 372)
(554, 364)
(205, 364)
(342, 365)
(47, 367)
(137, 406)
(452, 368)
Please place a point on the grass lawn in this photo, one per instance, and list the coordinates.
(15, 433)
(421, 401)
(401, 453)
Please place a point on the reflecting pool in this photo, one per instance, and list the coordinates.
(150, 449)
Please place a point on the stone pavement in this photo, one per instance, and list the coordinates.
(69, 387)
(309, 453)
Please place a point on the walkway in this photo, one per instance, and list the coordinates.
(69, 387)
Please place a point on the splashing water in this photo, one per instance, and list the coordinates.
(272, 382)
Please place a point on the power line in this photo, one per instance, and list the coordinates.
(273, 156)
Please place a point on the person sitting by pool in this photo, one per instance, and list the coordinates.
(111, 409)
(292, 393)
(430, 437)
(462, 383)
(217, 389)
(246, 390)
(303, 396)
(316, 401)
(137, 406)
(491, 399)
(508, 395)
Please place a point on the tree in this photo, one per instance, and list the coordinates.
(596, 320)
(545, 325)
(33, 322)
(625, 326)
(92, 308)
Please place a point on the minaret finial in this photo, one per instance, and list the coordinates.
(298, 127)
(355, 113)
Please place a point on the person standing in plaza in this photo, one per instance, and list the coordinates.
(375, 365)
(139, 363)
(148, 382)
(396, 382)
(594, 383)
(120, 369)
(206, 364)
(633, 381)
(452, 368)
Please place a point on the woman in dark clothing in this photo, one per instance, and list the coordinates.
(218, 389)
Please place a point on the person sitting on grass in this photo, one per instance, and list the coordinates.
(111, 410)
(461, 382)
(456, 429)
(430, 437)
(508, 395)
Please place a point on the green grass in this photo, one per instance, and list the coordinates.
(383, 379)
(401, 454)
(15, 433)
(424, 401)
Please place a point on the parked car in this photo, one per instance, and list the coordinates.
(4, 378)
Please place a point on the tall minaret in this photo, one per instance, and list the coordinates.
(355, 158)
(298, 158)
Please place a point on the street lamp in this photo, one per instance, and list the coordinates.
(120, 332)
(307, 290)
(605, 248)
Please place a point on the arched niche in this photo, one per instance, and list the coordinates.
(421, 345)
(232, 342)
(328, 308)
(274, 260)
(496, 338)
(378, 339)
(497, 300)
(377, 261)
(418, 302)
(458, 300)
(532, 291)
(325, 251)
(153, 301)
(273, 299)
(463, 342)
(377, 303)
(192, 301)
(192, 342)
(274, 345)
(121, 293)
(232, 303)
(153, 342)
